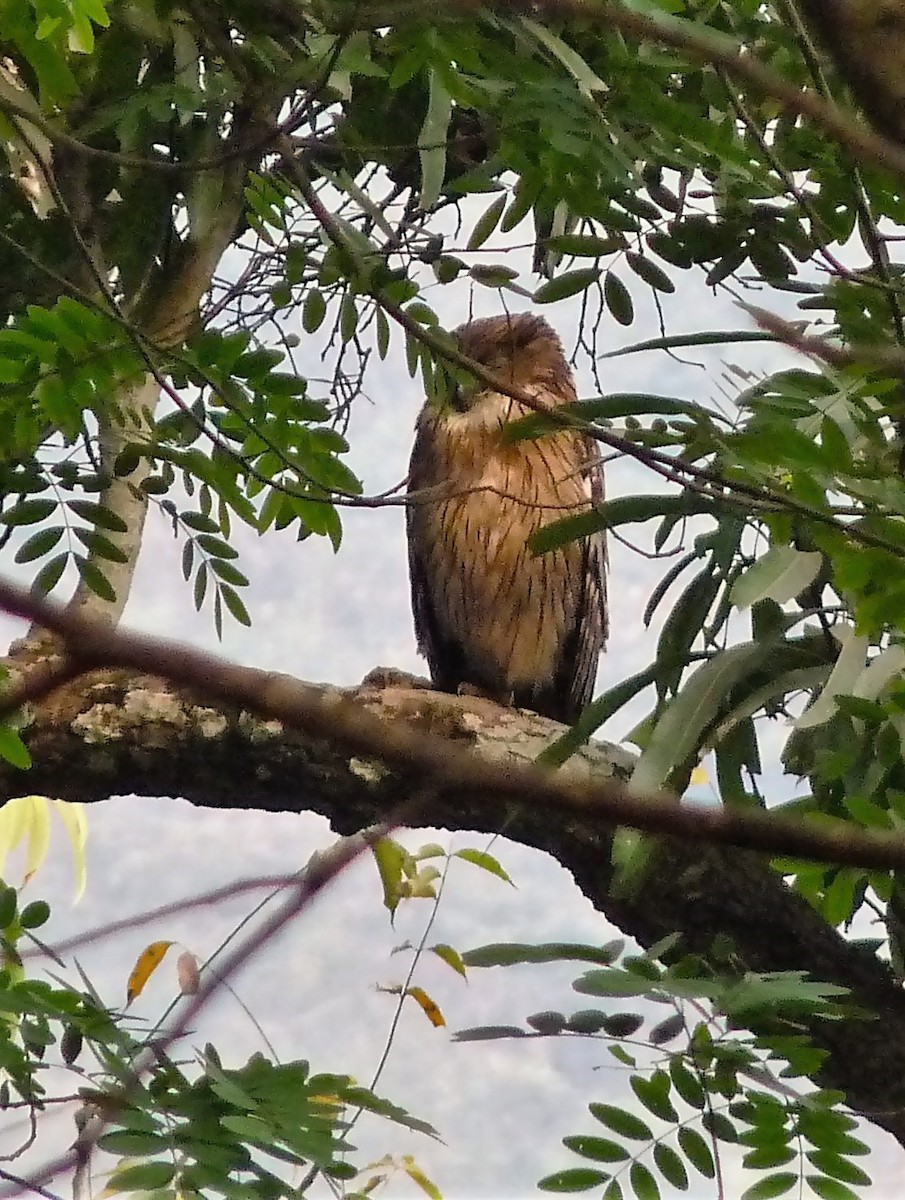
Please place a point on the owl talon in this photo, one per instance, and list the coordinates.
(381, 678)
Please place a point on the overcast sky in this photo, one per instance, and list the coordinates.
(503, 1107)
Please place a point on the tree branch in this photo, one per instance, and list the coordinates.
(114, 732)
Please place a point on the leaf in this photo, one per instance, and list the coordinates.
(20, 818)
(419, 1178)
(843, 677)
(76, 824)
(697, 1151)
(597, 1148)
(28, 512)
(643, 1183)
(486, 862)
(678, 341)
(611, 982)
(653, 1093)
(504, 954)
(772, 1185)
(427, 1005)
(648, 270)
(94, 578)
(390, 858)
(830, 1189)
(577, 1179)
(313, 311)
(486, 223)
(450, 956)
(49, 575)
(583, 245)
(143, 1177)
(145, 966)
(587, 81)
(781, 574)
(39, 544)
(98, 514)
(670, 1166)
(621, 1122)
(569, 283)
(12, 749)
(678, 732)
(618, 299)
(432, 140)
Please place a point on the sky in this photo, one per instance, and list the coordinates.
(501, 1108)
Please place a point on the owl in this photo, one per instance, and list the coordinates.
(490, 616)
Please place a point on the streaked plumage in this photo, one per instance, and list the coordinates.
(488, 614)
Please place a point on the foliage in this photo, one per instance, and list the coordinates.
(701, 1085)
(215, 197)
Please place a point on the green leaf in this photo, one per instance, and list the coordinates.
(313, 311)
(643, 1183)
(618, 299)
(486, 223)
(648, 270)
(130, 1143)
(570, 283)
(597, 1148)
(12, 749)
(234, 604)
(49, 575)
(98, 514)
(584, 77)
(620, 1121)
(679, 341)
(578, 1179)
(39, 544)
(583, 245)
(830, 1189)
(432, 140)
(678, 732)
(697, 1151)
(670, 1166)
(772, 1185)
(95, 579)
(612, 982)
(839, 1167)
(28, 512)
(781, 574)
(143, 1177)
(504, 954)
(480, 858)
(653, 1093)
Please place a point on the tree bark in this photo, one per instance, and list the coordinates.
(114, 733)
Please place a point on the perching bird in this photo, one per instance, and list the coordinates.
(489, 615)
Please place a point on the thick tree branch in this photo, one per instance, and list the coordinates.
(114, 732)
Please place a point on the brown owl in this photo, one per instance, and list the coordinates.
(488, 614)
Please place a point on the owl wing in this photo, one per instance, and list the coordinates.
(444, 653)
(582, 646)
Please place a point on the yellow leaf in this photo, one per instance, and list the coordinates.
(76, 825)
(427, 1006)
(699, 777)
(450, 956)
(28, 817)
(416, 1175)
(421, 885)
(145, 966)
(38, 834)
